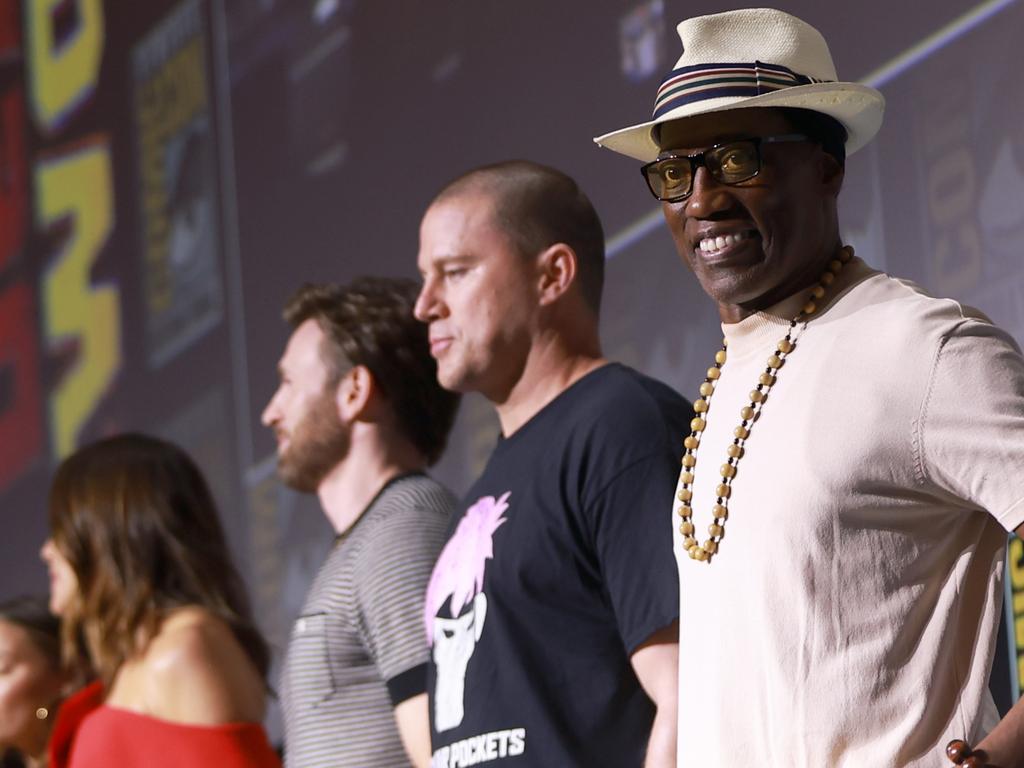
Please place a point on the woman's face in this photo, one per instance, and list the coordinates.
(28, 681)
(63, 582)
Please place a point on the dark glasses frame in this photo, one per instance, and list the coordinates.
(698, 159)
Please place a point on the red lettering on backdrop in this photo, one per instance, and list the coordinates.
(21, 429)
(13, 176)
(10, 29)
(21, 424)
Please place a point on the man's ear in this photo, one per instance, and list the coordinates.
(558, 265)
(833, 173)
(355, 391)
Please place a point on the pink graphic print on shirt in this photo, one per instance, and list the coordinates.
(459, 574)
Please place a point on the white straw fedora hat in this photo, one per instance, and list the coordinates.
(756, 57)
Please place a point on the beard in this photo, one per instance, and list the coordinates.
(316, 445)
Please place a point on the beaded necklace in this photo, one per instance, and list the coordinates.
(748, 413)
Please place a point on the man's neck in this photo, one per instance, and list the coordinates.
(348, 489)
(549, 371)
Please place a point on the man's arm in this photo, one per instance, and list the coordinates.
(1004, 746)
(980, 468)
(407, 542)
(656, 663)
(413, 720)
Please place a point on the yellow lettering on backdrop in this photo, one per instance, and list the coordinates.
(167, 102)
(78, 187)
(1015, 565)
(63, 72)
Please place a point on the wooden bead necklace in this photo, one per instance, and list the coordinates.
(748, 413)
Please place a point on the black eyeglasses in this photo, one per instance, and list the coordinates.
(670, 179)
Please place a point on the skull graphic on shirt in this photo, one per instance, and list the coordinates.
(458, 580)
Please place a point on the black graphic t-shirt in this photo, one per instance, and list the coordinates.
(557, 568)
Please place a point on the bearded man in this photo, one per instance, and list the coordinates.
(857, 439)
(358, 416)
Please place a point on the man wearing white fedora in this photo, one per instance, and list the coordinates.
(858, 439)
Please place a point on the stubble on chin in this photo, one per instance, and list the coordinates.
(316, 446)
(450, 376)
(295, 477)
(450, 383)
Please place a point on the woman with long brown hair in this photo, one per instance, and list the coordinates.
(153, 608)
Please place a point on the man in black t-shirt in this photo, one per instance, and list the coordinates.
(552, 610)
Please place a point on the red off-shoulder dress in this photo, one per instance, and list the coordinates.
(89, 734)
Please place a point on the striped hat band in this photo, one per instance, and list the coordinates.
(698, 82)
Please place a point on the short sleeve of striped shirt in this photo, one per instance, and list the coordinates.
(391, 568)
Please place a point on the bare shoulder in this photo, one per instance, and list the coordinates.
(194, 671)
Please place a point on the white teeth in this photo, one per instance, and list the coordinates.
(712, 244)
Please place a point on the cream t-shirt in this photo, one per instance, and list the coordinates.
(849, 618)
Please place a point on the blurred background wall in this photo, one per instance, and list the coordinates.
(171, 170)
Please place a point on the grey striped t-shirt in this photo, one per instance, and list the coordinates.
(359, 646)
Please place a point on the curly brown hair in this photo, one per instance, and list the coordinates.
(369, 322)
(136, 521)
